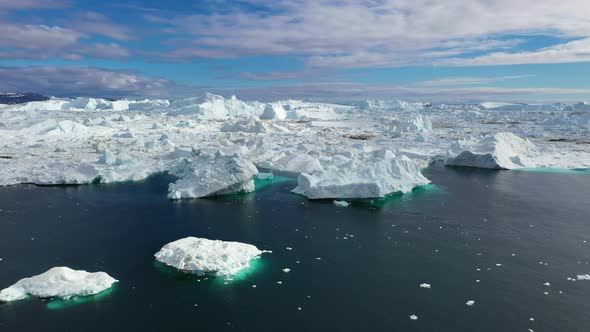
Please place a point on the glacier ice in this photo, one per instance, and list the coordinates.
(500, 151)
(215, 174)
(61, 282)
(365, 176)
(83, 140)
(203, 256)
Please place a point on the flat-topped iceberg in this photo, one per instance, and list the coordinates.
(212, 174)
(211, 106)
(15, 171)
(203, 256)
(500, 151)
(61, 282)
(374, 174)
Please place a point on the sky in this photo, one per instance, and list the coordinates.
(434, 50)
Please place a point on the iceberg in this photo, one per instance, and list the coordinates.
(419, 124)
(298, 163)
(212, 175)
(274, 112)
(203, 256)
(375, 175)
(15, 171)
(211, 106)
(61, 282)
(500, 151)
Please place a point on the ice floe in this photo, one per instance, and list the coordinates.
(203, 256)
(61, 282)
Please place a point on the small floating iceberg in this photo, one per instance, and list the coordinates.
(376, 175)
(500, 151)
(61, 282)
(203, 256)
(212, 175)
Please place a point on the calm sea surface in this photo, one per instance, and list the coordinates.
(352, 269)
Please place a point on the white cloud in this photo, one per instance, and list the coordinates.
(450, 81)
(574, 51)
(351, 33)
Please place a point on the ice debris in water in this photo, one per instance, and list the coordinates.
(203, 256)
(373, 174)
(215, 174)
(500, 151)
(424, 285)
(470, 303)
(413, 317)
(583, 277)
(341, 203)
(61, 282)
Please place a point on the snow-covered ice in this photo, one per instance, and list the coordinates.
(85, 140)
(61, 282)
(367, 175)
(203, 256)
(501, 151)
(214, 174)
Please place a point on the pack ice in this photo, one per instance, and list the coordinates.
(61, 282)
(203, 256)
(85, 140)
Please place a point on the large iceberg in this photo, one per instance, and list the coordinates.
(500, 151)
(211, 106)
(15, 171)
(274, 112)
(212, 174)
(61, 282)
(375, 174)
(203, 256)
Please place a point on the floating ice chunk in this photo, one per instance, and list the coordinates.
(341, 203)
(251, 125)
(424, 285)
(500, 151)
(583, 277)
(202, 256)
(274, 112)
(363, 177)
(299, 163)
(211, 175)
(413, 317)
(60, 282)
(470, 303)
(286, 270)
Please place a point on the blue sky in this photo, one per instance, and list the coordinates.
(452, 50)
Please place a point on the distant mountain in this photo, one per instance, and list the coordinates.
(19, 98)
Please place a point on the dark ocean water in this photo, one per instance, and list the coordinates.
(441, 234)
